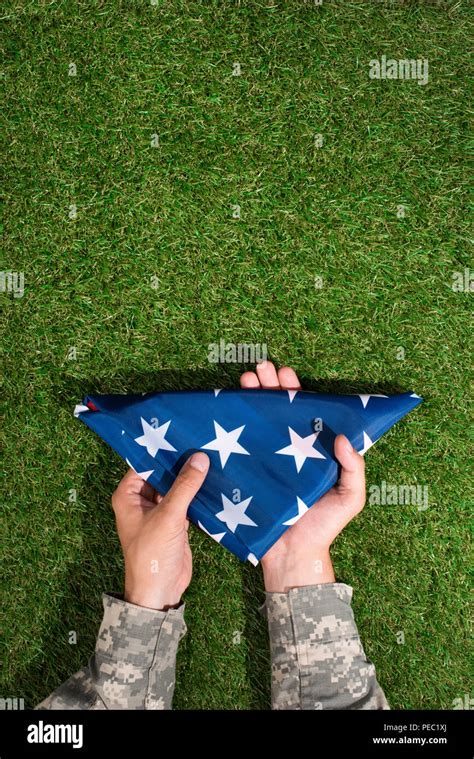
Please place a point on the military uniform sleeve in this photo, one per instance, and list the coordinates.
(317, 657)
(134, 663)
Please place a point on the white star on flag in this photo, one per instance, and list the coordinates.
(226, 443)
(153, 438)
(217, 536)
(301, 448)
(79, 409)
(143, 475)
(366, 397)
(234, 514)
(302, 509)
(368, 443)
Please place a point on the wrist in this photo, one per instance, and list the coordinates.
(152, 600)
(282, 573)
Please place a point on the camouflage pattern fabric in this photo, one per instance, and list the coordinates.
(317, 658)
(134, 662)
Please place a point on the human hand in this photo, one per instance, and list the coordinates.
(153, 532)
(301, 555)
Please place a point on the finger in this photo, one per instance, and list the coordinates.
(352, 479)
(136, 484)
(130, 484)
(130, 481)
(133, 483)
(267, 375)
(249, 379)
(129, 510)
(186, 485)
(145, 489)
(288, 379)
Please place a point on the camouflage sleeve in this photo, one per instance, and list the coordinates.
(317, 657)
(133, 666)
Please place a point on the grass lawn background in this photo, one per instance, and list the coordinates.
(166, 213)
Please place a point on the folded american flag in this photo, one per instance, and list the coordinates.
(271, 451)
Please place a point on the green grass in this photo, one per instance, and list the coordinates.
(166, 212)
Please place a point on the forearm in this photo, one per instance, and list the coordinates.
(134, 663)
(318, 661)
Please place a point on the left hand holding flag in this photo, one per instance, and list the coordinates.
(153, 532)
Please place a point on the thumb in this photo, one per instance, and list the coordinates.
(352, 479)
(186, 485)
